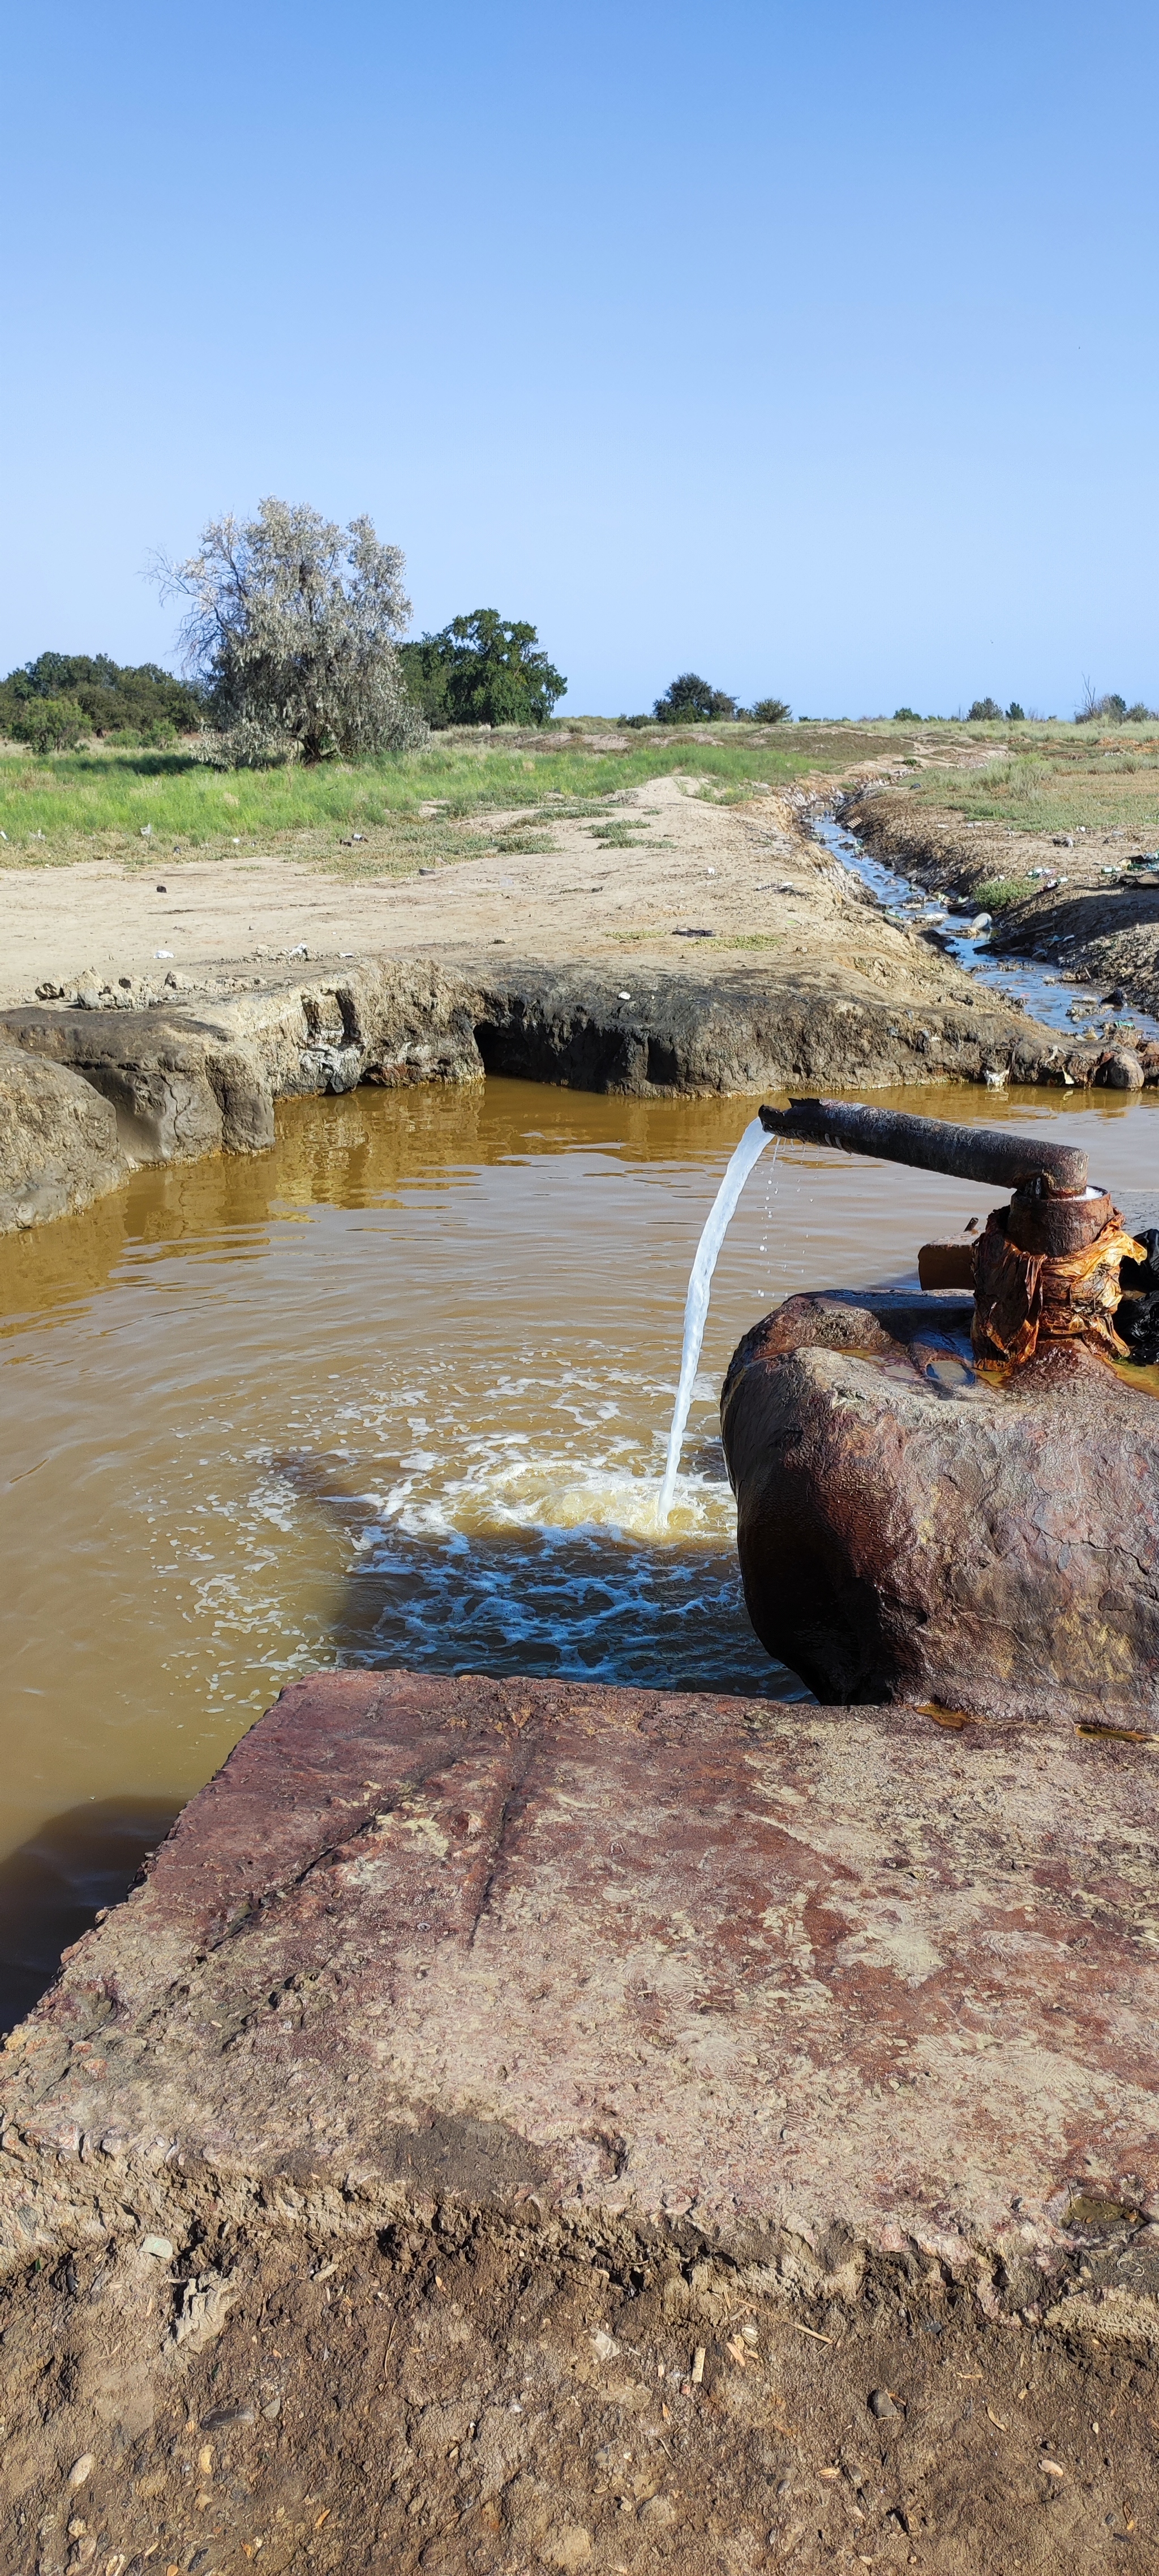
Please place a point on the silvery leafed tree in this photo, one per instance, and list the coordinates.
(293, 625)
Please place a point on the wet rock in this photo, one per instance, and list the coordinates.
(58, 1142)
(908, 1531)
(424, 1941)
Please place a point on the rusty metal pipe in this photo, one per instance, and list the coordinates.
(989, 1154)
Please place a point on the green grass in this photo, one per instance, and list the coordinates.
(996, 894)
(466, 792)
(91, 803)
(1064, 778)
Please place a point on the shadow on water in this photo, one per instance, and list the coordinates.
(53, 1887)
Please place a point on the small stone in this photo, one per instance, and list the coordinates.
(658, 2512)
(881, 2404)
(570, 2547)
(81, 2469)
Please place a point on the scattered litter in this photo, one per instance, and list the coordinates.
(300, 951)
(996, 2419)
(1052, 2468)
(163, 952)
(623, 997)
(146, 831)
(324, 2271)
(227, 2415)
(812, 2333)
(158, 2245)
(698, 2360)
(605, 2345)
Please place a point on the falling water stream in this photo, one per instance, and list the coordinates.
(748, 1152)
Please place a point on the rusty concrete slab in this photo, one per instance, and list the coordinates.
(846, 1972)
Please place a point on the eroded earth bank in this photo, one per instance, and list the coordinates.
(708, 948)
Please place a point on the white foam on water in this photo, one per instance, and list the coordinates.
(748, 1152)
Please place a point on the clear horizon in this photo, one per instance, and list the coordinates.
(818, 356)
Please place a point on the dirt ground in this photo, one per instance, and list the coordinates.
(452, 2397)
(659, 863)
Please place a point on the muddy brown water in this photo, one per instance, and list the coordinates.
(397, 1392)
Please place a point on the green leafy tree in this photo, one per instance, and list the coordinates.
(482, 670)
(292, 628)
(1014, 713)
(984, 711)
(906, 715)
(691, 700)
(771, 711)
(130, 702)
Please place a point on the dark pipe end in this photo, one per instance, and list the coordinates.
(994, 1155)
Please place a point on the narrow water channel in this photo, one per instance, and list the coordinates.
(397, 1392)
(1034, 985)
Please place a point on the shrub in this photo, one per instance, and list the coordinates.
(48, 724)
(481, 669)
(771, 711)
(1110, 708)
(1014, 713)
(984, 711)
(999, 893)
(292, 628)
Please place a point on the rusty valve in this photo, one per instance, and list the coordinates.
(1047, 1266)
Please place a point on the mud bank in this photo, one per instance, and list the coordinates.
(526, 2125)
(1091, 913)
(92, 1092)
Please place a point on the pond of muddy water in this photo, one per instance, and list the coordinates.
(397, 1392)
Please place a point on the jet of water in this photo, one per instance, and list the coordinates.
(749, 1150)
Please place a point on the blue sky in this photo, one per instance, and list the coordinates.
(812, 347)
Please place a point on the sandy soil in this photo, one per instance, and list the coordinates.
(658, 863)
